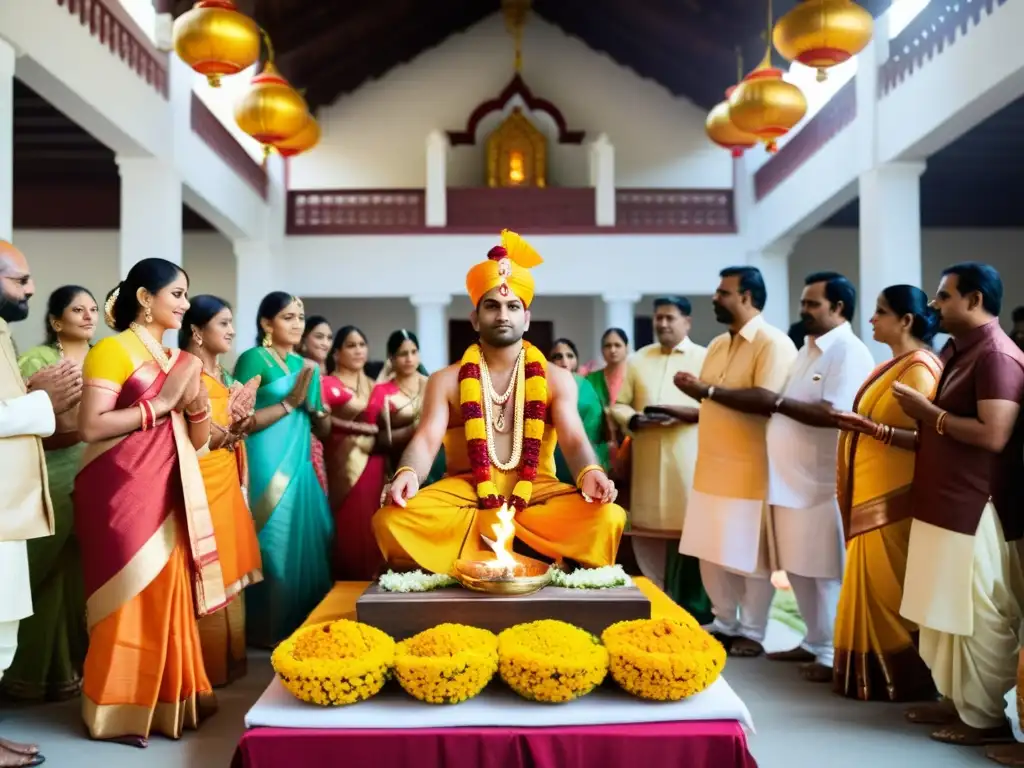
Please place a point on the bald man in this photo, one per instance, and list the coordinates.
(27, 414)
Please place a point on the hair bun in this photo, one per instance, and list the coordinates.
(108, 307)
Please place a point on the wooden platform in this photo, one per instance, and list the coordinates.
(404, 614)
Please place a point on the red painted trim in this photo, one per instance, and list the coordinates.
(116, 29)
(516, 87)
(209, 128)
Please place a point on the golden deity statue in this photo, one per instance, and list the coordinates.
(516, 154)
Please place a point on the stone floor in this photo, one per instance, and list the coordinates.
(799, 725)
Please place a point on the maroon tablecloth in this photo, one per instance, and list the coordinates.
(694, 744)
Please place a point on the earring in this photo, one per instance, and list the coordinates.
(266, 341)
(149, 314)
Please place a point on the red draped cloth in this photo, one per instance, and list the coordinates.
(693, 744)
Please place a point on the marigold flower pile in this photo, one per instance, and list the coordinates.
(447, 664)
(663, 659)
(551, 661)
(338, 662)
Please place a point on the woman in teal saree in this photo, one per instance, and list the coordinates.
(53, 640)
(290, 510)
(564, 355)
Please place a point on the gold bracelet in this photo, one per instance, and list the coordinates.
(144, 425)
(890, 433)
(940, 423)
(400, 470)
(587, 469)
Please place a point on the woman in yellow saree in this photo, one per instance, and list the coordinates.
(207, 332)
(149, 559)
(876, 655)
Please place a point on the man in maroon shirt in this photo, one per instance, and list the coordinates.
(963, 584)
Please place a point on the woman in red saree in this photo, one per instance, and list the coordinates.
(149, 558)
(355, 468)
(315, 345)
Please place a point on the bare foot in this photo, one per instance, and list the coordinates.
(11, 759)
(746, 648)
(816, 673)
(1009, 754)
(932, 713)
(793, 654)
(963, 735)
(18, 747)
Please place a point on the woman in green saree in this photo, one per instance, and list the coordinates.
(607, 382)
(565, 355)
(53, 640)
(289, 507)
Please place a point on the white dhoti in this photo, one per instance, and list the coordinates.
(965, 593)
(810, 548)
(15, 597)
(729, 537)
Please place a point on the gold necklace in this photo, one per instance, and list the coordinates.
(278, 359)
(152, 346)
(490, 425)
(502, 399)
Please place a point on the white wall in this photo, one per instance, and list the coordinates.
(90, 258)
(376, 136)
(837, 249)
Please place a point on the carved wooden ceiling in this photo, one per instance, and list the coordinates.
(331, 47)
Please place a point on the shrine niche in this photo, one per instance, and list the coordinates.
(516, 154)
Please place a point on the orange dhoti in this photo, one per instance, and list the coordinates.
(443, 523)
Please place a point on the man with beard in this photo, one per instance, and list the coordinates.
(805, 523)
(499, 415)
(663, 424)
(726, 519)
(963, 584)
(26, 416)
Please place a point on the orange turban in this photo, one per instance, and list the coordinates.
(508, 266)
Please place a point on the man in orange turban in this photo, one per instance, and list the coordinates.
(499, 414)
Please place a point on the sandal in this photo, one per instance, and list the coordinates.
(743, 647)
(963, 735)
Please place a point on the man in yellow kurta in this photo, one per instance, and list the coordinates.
(499, 415)
(726, 521)
(661, 419)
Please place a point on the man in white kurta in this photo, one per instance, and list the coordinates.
(661, 420)
(726, 519)
(25, 511)
(803, 440)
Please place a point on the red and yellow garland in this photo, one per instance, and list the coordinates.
(535, 412)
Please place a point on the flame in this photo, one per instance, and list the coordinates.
(501, 545)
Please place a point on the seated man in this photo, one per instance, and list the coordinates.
(499, 415)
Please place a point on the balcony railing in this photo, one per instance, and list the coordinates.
(557, 210)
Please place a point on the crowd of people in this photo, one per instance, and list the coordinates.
(164, 513)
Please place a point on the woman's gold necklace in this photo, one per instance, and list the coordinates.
(152, 346)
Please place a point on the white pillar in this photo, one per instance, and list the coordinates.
(773, 261)
(150, 211)
(890, 237)
(7, 57)
(254, 279)
(437, 180)
(602, 179)
(619, 311)
(432, 329)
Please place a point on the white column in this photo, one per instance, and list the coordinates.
(437, 180)
(432, 329)
(7, 57)
(150, 211)
(602, 178)
(619, 311)
(773, 261)
(890, 237)
(254, 279)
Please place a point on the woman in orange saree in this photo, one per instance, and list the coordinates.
(207, 332)
(876, 655)
(149, 558)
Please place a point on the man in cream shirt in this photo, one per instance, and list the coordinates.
(803, 439)
(726, 521)
(26, 415)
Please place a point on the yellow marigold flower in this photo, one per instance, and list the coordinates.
(663, 659)
(447, 664)
(551, 661)
(337, 662)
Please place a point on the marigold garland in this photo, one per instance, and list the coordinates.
(447, 664)
(663, 659)
(535, 411)
(337, 662)
(551, 661)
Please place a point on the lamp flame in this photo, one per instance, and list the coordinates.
(504, 564)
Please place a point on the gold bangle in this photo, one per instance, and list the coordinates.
(587, 469)
(940, 423)
(890, 433)
(144, 425)
(400, 470)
